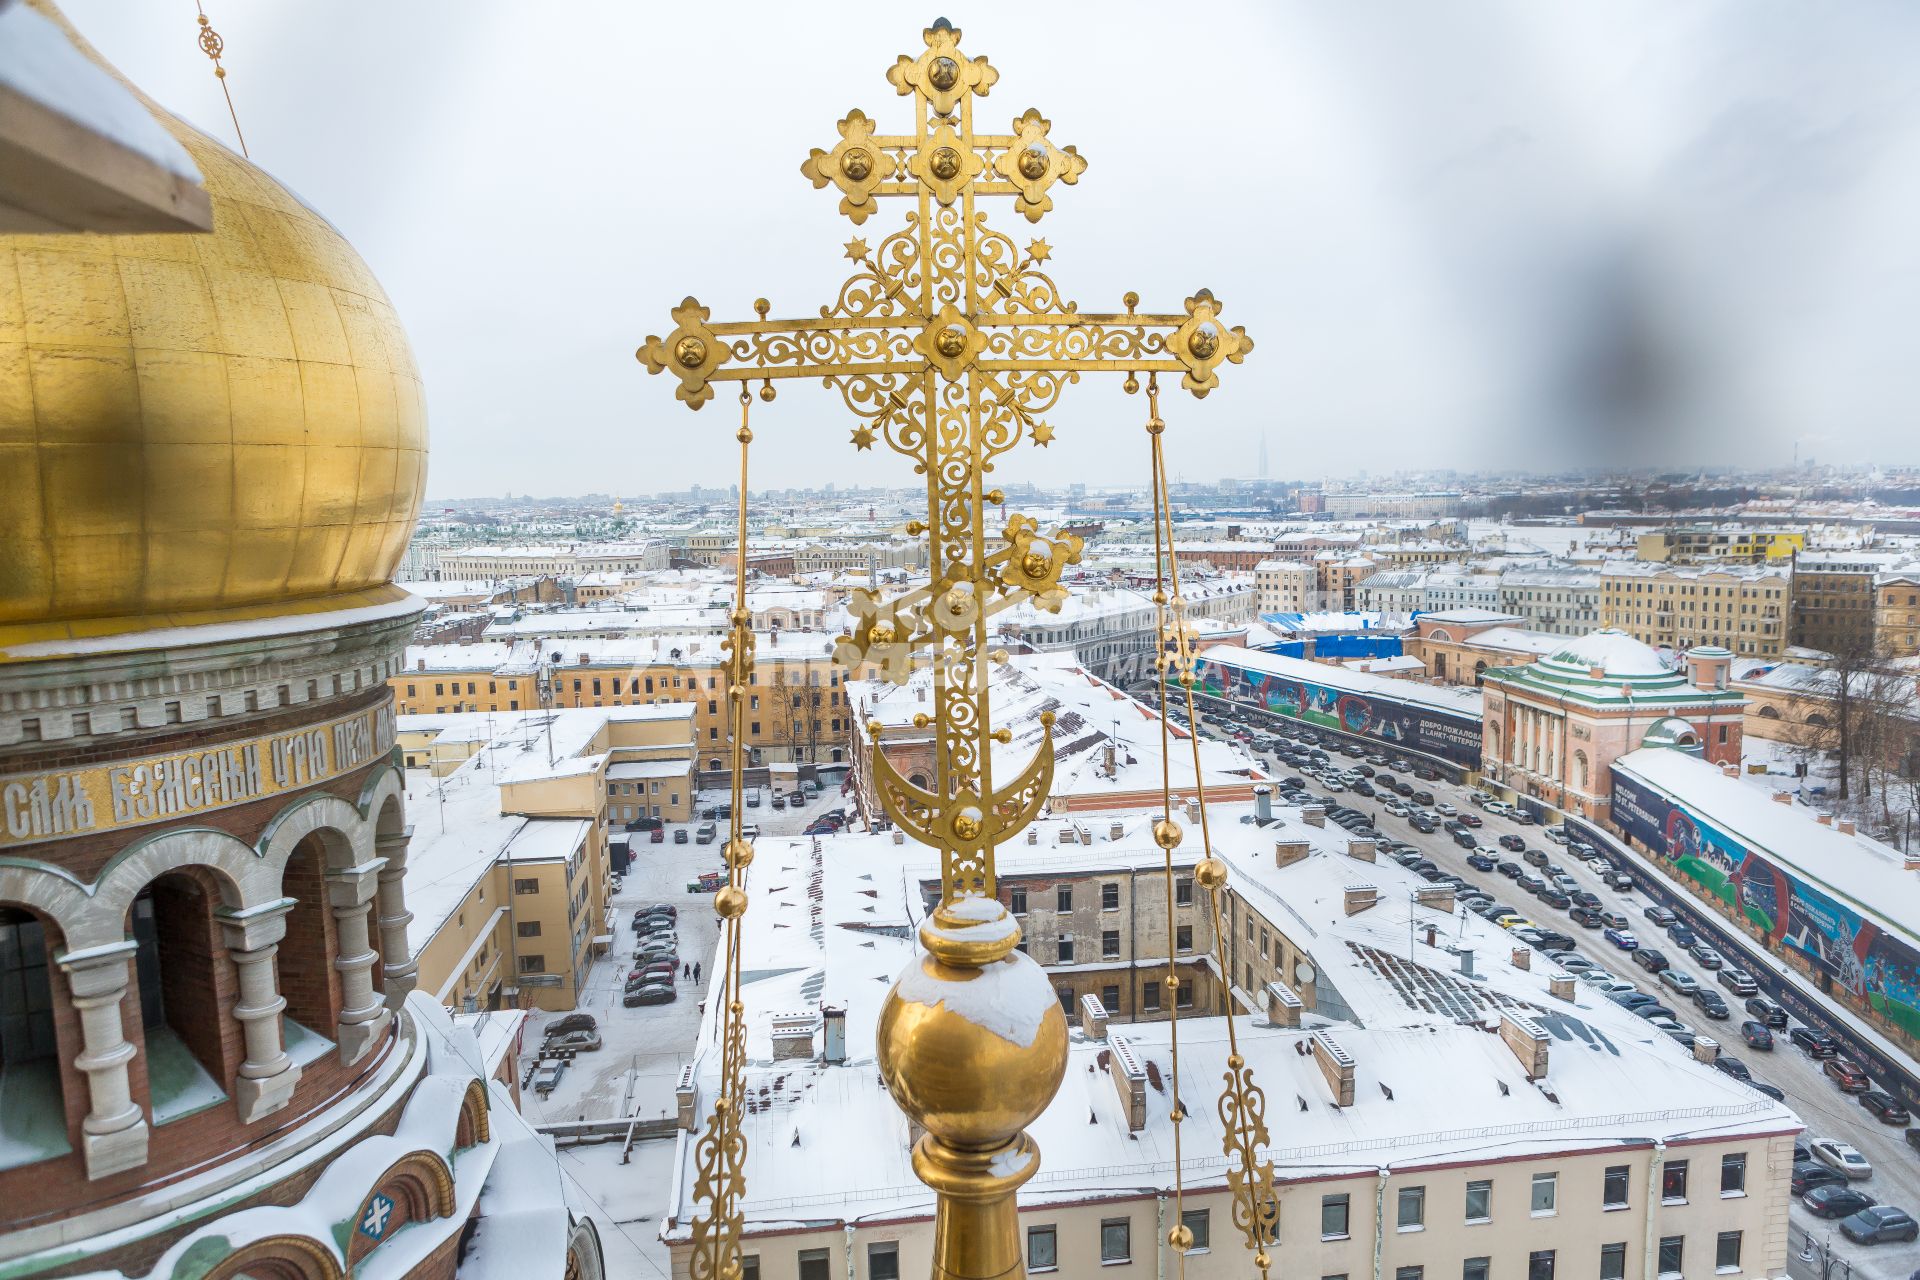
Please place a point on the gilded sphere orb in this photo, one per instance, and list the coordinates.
(739, 853)
(1180, 1237)
(1203, 342)
(942, 1050)
(857, 163)
(1263, 1260)
(1167, 834)
(968, 823)
(690, 351)
(1210, 873)
(1033, 163)
(730, 902)
(200, 426)
(950, 342)
(946, 163)
(1035, 564)
(943, 73)
(882, 633)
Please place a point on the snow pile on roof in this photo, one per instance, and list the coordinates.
(1619, 653)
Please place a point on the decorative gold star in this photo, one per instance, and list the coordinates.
(863, 435)
(1042, 434)
(1039, 250)
(856, 249)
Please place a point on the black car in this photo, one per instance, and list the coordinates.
(1552, 897)
(1757, 1035)
(1513, 843)
(570, 1022)
(1836, 1201)
(1423, 797)
(1423, 824)
(1554, 940)
(1426, 774)
(1682, 936)
(1465, 840)
(1738, 981)
(1585, 916)
(1772, 1091)
(1730, 1066)
(1885, 1108)
(1660, 916)
(1650, 960)
(1363, 789)
(1808, 1174)
(1711, 1004)
(1767, 1011)
(1817, 1044)
(1587, 898)
(1879, 1225)
(1511, 870)
(650, 993)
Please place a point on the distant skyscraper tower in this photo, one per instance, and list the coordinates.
(1263, 455)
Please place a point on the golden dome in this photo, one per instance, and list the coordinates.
(200, 427)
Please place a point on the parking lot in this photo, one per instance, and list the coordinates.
(1828, 1112)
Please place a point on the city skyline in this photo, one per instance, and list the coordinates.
(1643, 235)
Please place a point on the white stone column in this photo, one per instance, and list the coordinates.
(268, 1075)
(113, 1137)
(402, 970)
(363, 1015)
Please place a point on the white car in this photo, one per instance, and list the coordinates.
(1395, 808)
(1556, 834)
(1446, 809)
(1333, 785)
(1835, 1154)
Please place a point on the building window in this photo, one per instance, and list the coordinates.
(1409, 1273)
(533, 964)
(1613, 1194)
(1540, 1265)
(1183, 997)
(1110, 944)
(1183, 938)
(1733, 1174)
(1017, 901)
(814, 1264)
(1613, 1261)
(1066, 950)
(1063, 898)
(1109, 897)
(528, 928)
(750, 1266)
(1333, 1217)
(1672, 1249)
(1041, 1255)
(1150, 997)
(1726, 1251)
(1197, 1221)
(1066, 999)
(1475, 1268)
(1673, 1182)
(1479, 1201)
(1110, 999)
(526, 886)
(1116, 1240)
(1183, 892)
(1413, 1208)
(1545, 1188)
(883, 1261)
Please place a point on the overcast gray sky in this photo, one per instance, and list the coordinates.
(1463, 234)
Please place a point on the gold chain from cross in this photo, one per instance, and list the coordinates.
(950, 343)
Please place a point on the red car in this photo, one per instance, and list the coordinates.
(1847, 1075)
(1470, 820)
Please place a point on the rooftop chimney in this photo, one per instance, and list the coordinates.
(1783, 797)
(1361, 848)
(686, 1097)
(1437, 896)
(1288, 852)
(1466, 961)
(1337, 1065)
(1116, 830)
(899, 836)
(1596, 672)
(834, 1048)
(1066, 834)
(1093, 1017)
(1033, 835)
(1705, 1050)
(1313, 815)
(1283, 1007)
(1824, 819)
(1560, 986)
(1528, 1040)
(1359, 897)
(792, 1035)
(1263, 804)
(1846, 826)
(1911, 861)
(1523, 957)
(1129, 1081)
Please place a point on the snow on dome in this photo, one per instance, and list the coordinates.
(1616, 651)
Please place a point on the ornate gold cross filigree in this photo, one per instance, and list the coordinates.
(951, 344)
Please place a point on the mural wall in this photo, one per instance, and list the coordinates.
(1454, 738)
(1876, 967)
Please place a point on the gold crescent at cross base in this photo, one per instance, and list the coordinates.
(950, 344)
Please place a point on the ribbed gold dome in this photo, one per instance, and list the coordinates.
(196, 427)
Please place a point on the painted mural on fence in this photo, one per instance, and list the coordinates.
(1875, 966)
(1454, 738)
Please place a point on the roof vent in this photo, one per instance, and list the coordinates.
(1093, 1017)
(1129, 1081)
(1336, 1065)
(1705, 1050)
(1283, 1007)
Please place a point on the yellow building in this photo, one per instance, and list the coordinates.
(1695, 544)
(510, 853)
(1741, 608)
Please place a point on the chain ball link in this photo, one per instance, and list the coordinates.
(730, 902)
(1263, 1259)
(1180, 1238)
(1168, 834)
(739, 853)
(1210, 873)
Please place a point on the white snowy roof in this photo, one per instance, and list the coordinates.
(1618, 652)
(1450, 698)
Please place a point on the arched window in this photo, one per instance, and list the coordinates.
(308, 981)
(1768, 713)
(187, 990)
(1817, 720)
(32, 1113)
(1580, 770)
(1440, 664)
(918, 780)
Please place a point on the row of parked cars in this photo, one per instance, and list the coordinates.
(656, 956)
(1824, 1173)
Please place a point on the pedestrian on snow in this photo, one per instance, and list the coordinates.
(696, 971)
(685, 971)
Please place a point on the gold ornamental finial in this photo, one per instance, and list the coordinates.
(951, 345)
(213, 46)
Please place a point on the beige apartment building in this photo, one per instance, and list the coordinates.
(1741, 608)
(1285, 586)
